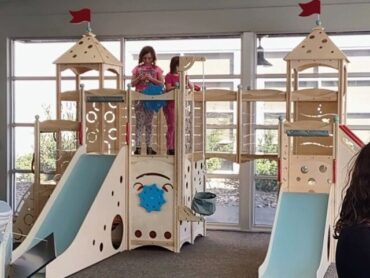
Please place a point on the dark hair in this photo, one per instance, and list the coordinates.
(145, 50)
(175, 61)
(356, 204)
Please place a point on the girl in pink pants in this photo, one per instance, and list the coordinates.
(145, 73)
(171, 82)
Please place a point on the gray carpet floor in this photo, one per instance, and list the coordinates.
(222, 254)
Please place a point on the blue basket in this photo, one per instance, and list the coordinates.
(204, 203)
(153, 105)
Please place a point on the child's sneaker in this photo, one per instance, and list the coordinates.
(150, 151)
(137, 151)
(170, 152)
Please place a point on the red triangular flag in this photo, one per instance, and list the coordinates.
(80, 16)
(313, 7)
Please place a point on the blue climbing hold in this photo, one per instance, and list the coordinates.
(151, 198)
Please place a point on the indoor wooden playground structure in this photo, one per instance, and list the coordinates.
(102, 199)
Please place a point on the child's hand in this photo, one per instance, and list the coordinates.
(196, 88)
(142, 77)
(147, 77)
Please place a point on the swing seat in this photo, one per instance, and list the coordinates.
(204, 203)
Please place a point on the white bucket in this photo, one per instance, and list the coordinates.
(5, 214)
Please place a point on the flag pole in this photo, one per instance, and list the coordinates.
(89, 30)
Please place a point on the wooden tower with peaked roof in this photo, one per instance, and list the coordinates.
(86, 55)
(101, 126)
(316, 50)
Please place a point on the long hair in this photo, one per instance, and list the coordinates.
(175, 61)
(356, 204)
(145, 50)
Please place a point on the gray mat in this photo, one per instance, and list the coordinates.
(222, 254)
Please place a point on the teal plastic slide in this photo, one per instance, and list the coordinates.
(74, 200)
(296, 246)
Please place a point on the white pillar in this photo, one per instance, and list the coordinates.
(248, 81)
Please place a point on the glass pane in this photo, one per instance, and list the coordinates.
(23, 183)
(271, 83)
(357, 105)
(221, 140)
(221, 166)
(47, 153)
(89, 84)
(94, 84)
(222, 55)
(268, 113)
(29, 54)
(34, 98)
(364, 135)
(227, 202)
(219, 83)
(221, 113)
(265, 201)
(54, 161)
(69, 107)
(43, 54)
(357, 49)
(221, 106)
(266, 167)
(221, 118)
(216, 63)
(110, 84)
(275, 49)
(69, 110)
(114, 47)
(24, 141)
(304, 83)
(359, 63)
(266, 141)
(68, 85)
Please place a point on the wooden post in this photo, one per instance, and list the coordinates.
(289, 92)
(160, 131)
(58, 136)
(180, 153)
(102, 111)
(337, 190)
(341, 87)
(36, 187)
(345, 94)
(193, 149)
(58, 92)
(82, 115)
(78, 101)
(119, 114)
(239, 131)
(280, 153)
(128, 174)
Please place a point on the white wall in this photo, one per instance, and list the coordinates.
(132, 18)
(139, 17)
